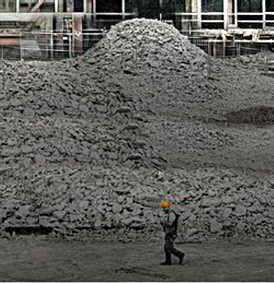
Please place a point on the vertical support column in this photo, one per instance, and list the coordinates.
(59, 36)
(123, 9)
(89, 10)
(193, 9)
(7, 6)
(94, 9)
(17, 6)
(56, 6)
(224, 49)
(51, 45)
(89, 6)
(230, 12)
(160, 10)
(199, 13)
(70, 6)
(61, 6)
(236, 13)
(77, 29)
(193, 6)
(215, 49)
(225, 4)
(21, 47)
(264, 15)
(187, 6)
(49, 30)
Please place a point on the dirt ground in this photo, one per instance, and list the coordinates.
(37, 259)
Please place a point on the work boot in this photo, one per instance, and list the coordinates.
(181, 258)
(165, 263)
(168, 259)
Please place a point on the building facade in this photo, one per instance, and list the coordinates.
(63, 28)
(225, 14)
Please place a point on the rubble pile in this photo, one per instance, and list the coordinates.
(125, 203)
(53, 115)
(148, 43)
(86, 143)
(158, 64)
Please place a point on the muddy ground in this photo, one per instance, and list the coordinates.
(34, 259)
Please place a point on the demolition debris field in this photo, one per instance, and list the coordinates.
(85, 143)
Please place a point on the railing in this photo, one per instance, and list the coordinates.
(54, 45)
(219, 49)
(265, 19)
(51, 45)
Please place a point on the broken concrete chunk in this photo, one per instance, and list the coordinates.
(215, 226)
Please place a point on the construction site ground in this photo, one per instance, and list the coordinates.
(198, 127)
(33, 259)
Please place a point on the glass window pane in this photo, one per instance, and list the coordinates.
(269, 5)
(181, 6)
(114, 6)
(212, 6)
(168, 6)
(249, 6)
(131, 6)
(78, 6)
(148, 8)
(7, 6)
(185, 6)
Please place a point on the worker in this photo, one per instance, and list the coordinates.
(169, 222)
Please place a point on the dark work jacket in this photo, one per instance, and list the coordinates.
(169, 223)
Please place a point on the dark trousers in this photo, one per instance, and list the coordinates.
(170, 249)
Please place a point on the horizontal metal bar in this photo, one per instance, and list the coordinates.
(203, 13)
(221, 13)
(250, 14)
(250, 21)
(240, 41)
(62, 13)
(190, 20)
(212, 13)
(134, 14)
(115, 14)
(212, 21)
(185, 14)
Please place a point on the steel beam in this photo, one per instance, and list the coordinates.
(264, 13)
(226, 19)
(199, 13)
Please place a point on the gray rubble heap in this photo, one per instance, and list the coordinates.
(82, 142)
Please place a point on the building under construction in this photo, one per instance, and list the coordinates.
(64, 28)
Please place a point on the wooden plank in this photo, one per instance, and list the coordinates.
(37, 6)
(10, 41)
